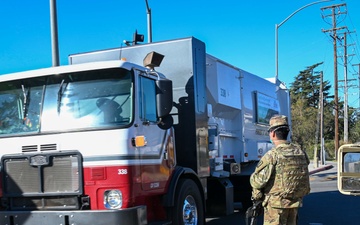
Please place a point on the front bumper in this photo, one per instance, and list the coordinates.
(131, 216)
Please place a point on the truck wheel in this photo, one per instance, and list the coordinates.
(188, 207)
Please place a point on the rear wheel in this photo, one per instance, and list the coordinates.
(188, 207)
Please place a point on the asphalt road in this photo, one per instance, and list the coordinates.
(325, 205)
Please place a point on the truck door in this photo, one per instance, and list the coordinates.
(157, 155)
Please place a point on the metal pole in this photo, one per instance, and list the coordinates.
(276, 53)
(336, 100)
(277, 26)
(346, 122)
(316, 161)
(322, 153)
(149, 27)
(54, 33)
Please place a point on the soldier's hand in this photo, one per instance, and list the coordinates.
(256, 194)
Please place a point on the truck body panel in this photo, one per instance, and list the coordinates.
(241, 102)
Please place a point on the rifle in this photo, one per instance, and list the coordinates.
(253, 212)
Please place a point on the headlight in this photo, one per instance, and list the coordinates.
(113, 199)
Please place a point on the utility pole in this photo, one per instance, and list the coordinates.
(346, 121)
(320, 127)
(336, 10)
(322, 150)
(316, 160)
(346, 90)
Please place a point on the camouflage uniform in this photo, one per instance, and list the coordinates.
(281, 179)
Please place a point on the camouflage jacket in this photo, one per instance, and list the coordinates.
(282, 176)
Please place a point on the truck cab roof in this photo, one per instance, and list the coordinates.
(70, 69)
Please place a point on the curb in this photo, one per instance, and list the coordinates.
(327, 167)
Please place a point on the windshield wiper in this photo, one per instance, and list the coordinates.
(26, 94)
(60, 94)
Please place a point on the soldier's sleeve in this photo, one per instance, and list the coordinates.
(262, 173)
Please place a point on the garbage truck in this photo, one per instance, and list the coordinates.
(157, 133)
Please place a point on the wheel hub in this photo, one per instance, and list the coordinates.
(190, 216)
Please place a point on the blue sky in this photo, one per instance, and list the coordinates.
(237, 31)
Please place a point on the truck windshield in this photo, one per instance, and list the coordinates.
(81, 100)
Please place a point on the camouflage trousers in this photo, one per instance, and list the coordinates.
(274, 216)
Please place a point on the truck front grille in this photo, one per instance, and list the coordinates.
(42, 181)
(48, 203)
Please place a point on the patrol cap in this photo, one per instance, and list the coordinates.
(277, 121)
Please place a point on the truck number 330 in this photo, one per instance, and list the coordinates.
(122, 171)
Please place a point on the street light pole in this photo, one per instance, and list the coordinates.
(54, 34)
(148, 12)
(277, 26)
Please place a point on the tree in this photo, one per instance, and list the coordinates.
(305, 97)
(303, 123)
(307, 86)
(354, 126)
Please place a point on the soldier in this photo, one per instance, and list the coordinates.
(281, 178)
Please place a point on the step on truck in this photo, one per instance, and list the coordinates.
(159, 133)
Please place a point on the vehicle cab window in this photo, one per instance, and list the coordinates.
(147, 100)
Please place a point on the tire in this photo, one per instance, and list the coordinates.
(188, 206)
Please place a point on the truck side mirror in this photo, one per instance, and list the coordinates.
(165, 122)
(164, 97)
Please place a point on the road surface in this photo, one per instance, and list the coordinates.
(325, 205)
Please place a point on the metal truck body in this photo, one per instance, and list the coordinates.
(106, 140)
